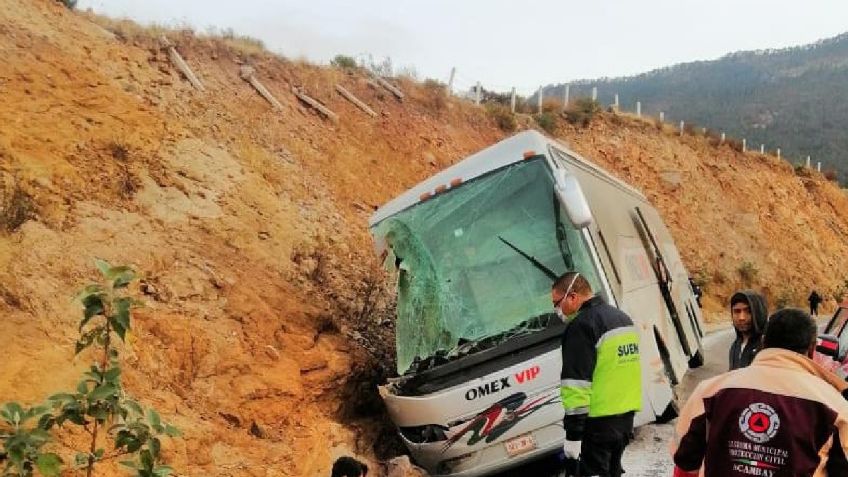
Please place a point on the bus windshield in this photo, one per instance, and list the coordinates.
(457, 279)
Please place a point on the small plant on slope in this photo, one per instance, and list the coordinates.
(98, 404)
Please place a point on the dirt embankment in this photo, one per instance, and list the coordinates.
(739, 219)
(265, 311)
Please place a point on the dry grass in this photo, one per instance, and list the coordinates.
(128, 30)
(551, 105)
(502, 116)
(582, 111)
(131, 32)
(433, 96)
(734, 144)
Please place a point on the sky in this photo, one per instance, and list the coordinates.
(504, 44)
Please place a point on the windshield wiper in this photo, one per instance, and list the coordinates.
(539, 265)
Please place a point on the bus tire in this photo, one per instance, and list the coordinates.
(697, 360)
(671, 411)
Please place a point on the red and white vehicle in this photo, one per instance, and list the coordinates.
(832, 345)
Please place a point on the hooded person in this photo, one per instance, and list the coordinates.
(749, 313)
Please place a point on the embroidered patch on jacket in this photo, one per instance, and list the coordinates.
(759, 422)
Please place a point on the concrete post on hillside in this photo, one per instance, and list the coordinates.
(450, 81)
(662, 117)
(567, 98)
(390, 87)
(682, 124)
(477, 94)
(594, 93)
(808, 162)
(356, 101)
(778, 153)
(248, 74)
(540, 95)
(615, 105)
(818, 166)
(744, 145)
(723, 137)
(180, 63)
(762, 148)
(639, 109)
(325, 111)
(512, 100)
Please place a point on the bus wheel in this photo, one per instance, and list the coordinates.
(671, 411)
(697, 360)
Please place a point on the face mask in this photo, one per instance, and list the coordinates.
(562, 316)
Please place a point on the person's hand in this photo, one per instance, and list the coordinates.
(572, 449)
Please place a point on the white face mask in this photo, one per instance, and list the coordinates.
(558, 310)
(561, 314)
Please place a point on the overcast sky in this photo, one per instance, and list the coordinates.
(505, 43)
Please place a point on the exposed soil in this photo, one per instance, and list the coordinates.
(267, 321)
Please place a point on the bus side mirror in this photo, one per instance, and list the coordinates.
(571, 197)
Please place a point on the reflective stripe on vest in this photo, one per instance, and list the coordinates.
(616, 385)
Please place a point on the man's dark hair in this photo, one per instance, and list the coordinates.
(792, 329)
(349, 467)
(578, 283)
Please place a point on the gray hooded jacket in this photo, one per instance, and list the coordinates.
(740, 358)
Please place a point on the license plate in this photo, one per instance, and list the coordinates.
(519, 445)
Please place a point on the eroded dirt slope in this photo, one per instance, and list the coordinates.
(249, 227)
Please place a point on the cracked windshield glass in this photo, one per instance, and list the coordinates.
(458, 281)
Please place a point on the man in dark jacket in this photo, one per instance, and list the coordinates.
(749, 312)
(601, 385)
(782, 416)
(814, 300)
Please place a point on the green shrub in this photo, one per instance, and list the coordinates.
(784, 299)
(16, 207)
(734, 144)
(701, 278)
(71, 4)
(831, 175)
(546, 121)
(98, 405)
(343, 61)
(581, 111)
(713, 138)
(551, 105)
(840, 291)
(502, 116)
(748, 273)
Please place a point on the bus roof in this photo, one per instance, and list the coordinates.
(503, 153)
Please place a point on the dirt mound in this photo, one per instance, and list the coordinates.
(265, 311)
(740, 219)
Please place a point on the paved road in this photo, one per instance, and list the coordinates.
(648, 455)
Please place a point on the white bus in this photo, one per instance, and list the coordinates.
(474, 249)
